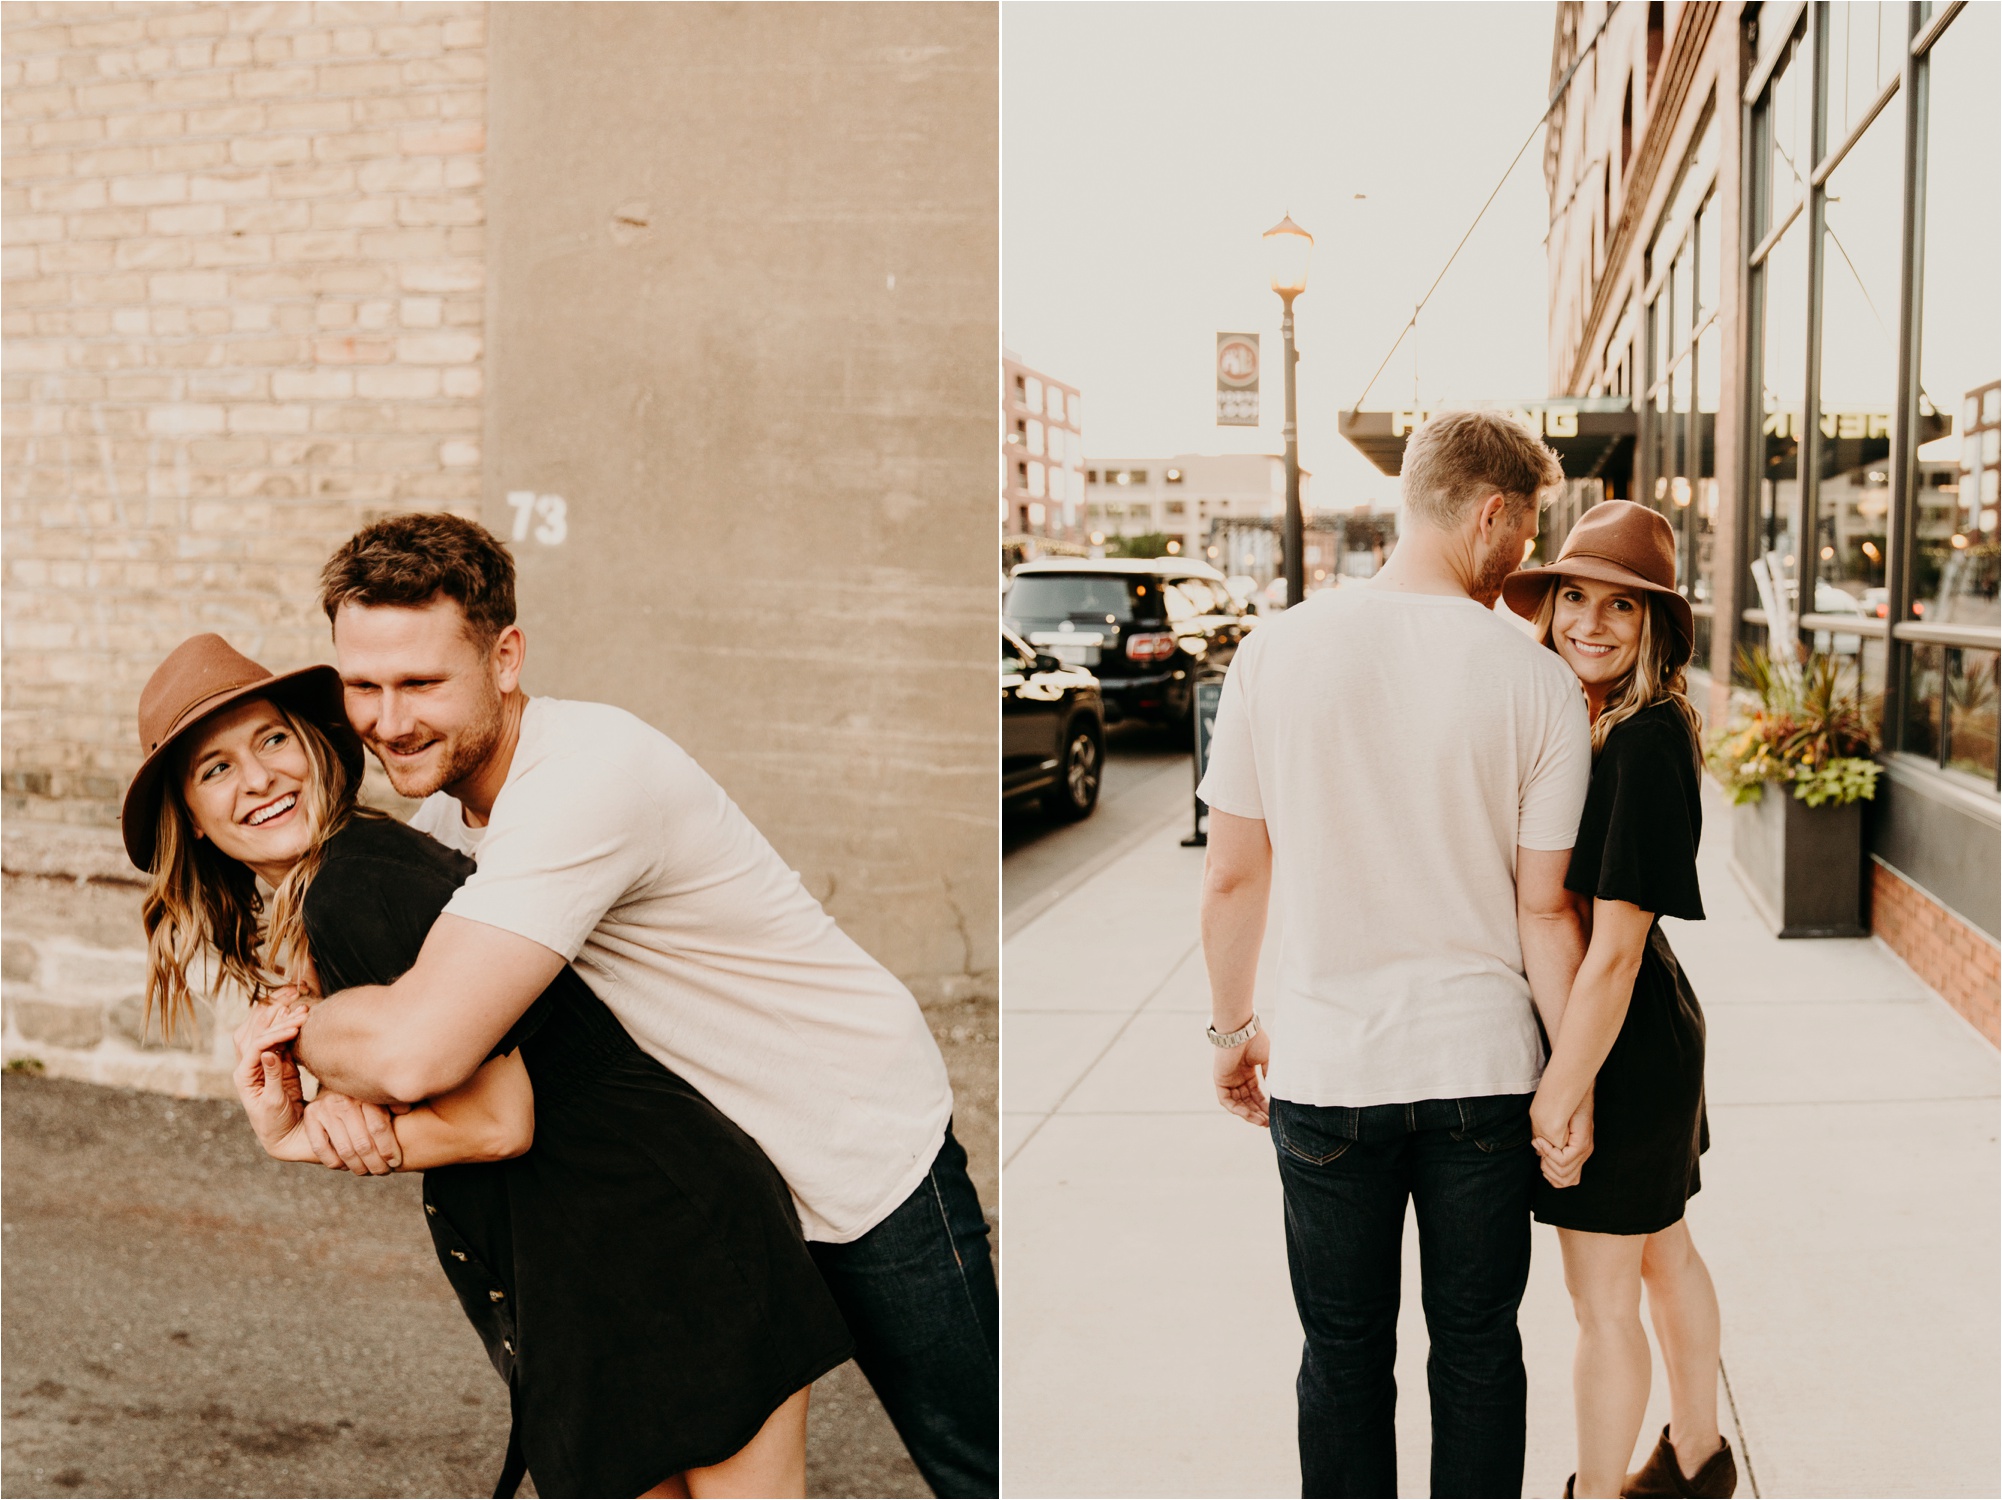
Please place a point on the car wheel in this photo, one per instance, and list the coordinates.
(1079, 772)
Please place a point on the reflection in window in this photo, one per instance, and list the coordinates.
(1859, 370)
(1789, 135)
(1866, 49)
(1677, 439)
(1783, 289)
(1951, 715)
(1955, 568)
(1708, 264)
(1703, 454)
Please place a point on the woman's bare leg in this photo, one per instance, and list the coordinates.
(771, 1464)
(1612, 1368)
(1683, 1305)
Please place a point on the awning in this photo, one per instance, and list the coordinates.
(1587, 433)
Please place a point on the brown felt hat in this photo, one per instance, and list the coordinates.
(1616, 541)
(201, 676)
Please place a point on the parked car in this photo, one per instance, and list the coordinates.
(1052, 730)
(1145, 628)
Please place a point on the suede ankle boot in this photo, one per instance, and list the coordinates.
(1661, 1475)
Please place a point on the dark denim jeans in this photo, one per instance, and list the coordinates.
(918, 1293)
(1468, 1167)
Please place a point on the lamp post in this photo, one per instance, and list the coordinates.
(1288, 248)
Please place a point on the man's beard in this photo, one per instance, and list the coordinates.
(1495, 567)
(464, 754)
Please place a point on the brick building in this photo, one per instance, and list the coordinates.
(615, 280)
(1042, 459)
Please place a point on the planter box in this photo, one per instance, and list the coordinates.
(1802, 866)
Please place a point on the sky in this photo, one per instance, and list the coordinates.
(1146, 147)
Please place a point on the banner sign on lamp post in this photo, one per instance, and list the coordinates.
(1237, 380)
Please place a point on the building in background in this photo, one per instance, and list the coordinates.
(593, 275)
(1042, 463)
(1177, 500)
(1775, 233)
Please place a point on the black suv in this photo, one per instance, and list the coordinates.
(1146, 628)
(1052, 730)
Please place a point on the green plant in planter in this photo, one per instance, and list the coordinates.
(1805, 731)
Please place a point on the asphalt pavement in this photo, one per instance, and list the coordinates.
(185, 1316)
(1148, 778)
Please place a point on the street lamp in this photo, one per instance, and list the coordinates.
(1288, 248)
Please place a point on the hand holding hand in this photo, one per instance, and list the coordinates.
(352, 1135)
(1564, 1157)
(1238, 1087)
(266, 1078)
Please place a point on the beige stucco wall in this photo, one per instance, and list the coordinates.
(743, 306)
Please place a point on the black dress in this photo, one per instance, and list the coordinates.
(1637, 843)
(638, 1277)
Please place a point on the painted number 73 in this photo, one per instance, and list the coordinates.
(530, 507)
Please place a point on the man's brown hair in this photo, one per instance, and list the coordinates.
(1458, 457)
(410, 560)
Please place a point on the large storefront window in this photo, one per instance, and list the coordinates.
(1866, 50)
(1782, 281)
(1681, 319)
(1789, 133)
(1952, 695)
(1955, 573)
(1859, 384)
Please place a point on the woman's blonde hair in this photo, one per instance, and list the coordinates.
(1659, 673)
(202, 906)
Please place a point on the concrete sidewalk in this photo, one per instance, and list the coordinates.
(1849, 1215)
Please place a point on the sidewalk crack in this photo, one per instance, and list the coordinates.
(1738, 1421)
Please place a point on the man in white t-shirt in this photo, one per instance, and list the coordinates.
(1398, 772)
(601, 844)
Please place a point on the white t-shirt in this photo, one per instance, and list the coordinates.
(1399, 748)
(610, 846)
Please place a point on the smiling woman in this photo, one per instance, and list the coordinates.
(243, 778)
(227, 743)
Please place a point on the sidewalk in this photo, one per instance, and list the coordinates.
(1849, 1216)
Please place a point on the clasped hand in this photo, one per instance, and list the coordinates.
(1562, 1141)
(341, 1133)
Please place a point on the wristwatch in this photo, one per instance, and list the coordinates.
(1235, 1038)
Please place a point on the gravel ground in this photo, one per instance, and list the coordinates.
(185, 1316)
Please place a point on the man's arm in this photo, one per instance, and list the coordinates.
(1237, 882)
(1553, 937)
(1600, 995)
(429, 1032)
(1552, 934)
(490, 1117)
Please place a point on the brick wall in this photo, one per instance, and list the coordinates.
(1961, 963)
(243, 270)
(243, 315)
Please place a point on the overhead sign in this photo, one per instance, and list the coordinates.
(1585, 431)
(1237, 380)
(1544, 421)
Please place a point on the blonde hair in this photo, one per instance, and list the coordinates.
(1659, 673)
(1457, 457)
(202, 906)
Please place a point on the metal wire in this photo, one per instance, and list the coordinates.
(1556, 95)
